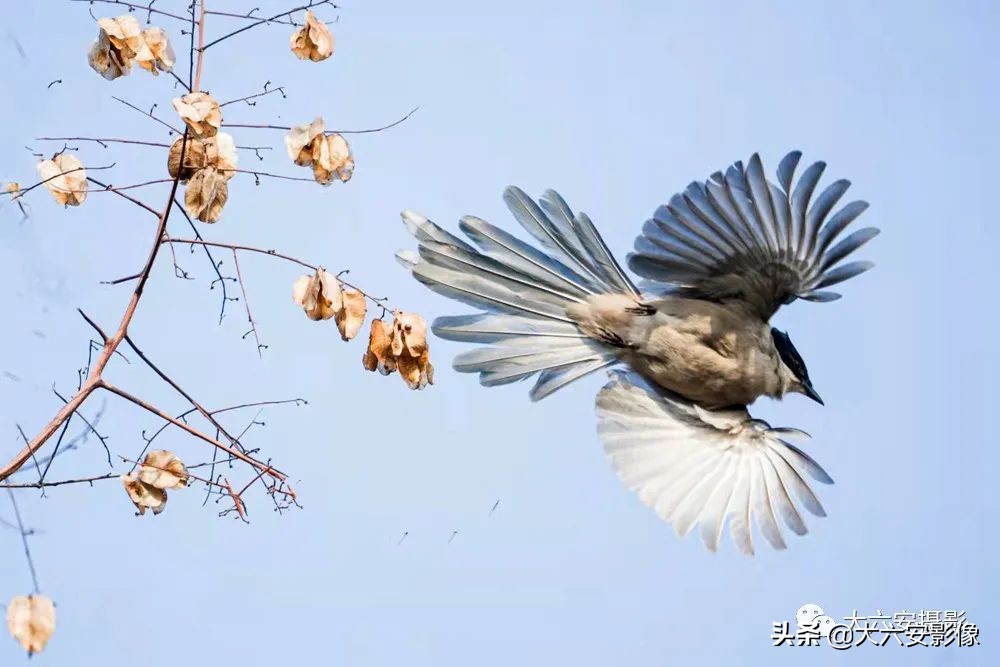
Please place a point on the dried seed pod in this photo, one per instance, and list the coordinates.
(313, 41)
(409, 334)
(105, 61)
(351, 315)
(299, 142)
(409, 347)
(206, 195)
(378, 356)
(144, 495)
(200, 112)
(158, 56)
(221, 154)
(118, 44)
(194, 157)
(218, 151)
(31, 620)
(319, 295)
(163, 469)
(331, 157)
(65, 178)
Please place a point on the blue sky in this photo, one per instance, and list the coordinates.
(616, 105)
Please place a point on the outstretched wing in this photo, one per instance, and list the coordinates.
(698, 466)
(742, 237)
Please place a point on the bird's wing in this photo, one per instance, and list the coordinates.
(739, 236)
(695, 466)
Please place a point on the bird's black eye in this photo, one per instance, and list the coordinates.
(789, 355)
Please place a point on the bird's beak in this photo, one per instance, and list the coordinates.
(808, 390)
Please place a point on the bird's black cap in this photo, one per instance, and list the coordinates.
(791, 358)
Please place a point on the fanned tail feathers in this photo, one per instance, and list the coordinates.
(523, 290)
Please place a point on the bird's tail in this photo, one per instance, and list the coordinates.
(523, 290)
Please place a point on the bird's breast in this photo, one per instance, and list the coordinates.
(704, 353)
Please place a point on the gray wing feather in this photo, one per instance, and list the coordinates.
(740, 237)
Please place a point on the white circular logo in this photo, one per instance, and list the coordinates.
(808, 613)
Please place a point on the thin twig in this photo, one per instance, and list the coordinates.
(366, 131)
(277, 89)
(25, 191)
(258, 174)
(316, 3)
(381, 301)
(237, 500)
(61, 482)
(24, 541)
(149, 114)
(93, 429)
(119, 188)
(246, 304)
(140, 204)
(249, 16)
(94, 378)
(220, 279)
(103, 141)
(232, 246)
(176, 387)
(276, 474)
(144, 8)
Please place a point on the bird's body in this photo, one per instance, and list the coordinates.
(716, 355)
(722, 257)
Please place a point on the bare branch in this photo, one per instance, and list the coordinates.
(149, 114)
(145, 8)
(246, 303)
(94, 378)
(366, 131)
(277, 89)
(312, 3)
(24, 541)
(24, 191)
(104, 141)
(276, 474)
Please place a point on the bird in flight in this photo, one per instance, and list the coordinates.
(693, 348)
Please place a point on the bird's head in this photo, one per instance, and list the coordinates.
(794, 375)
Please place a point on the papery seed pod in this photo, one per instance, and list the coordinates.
(144, 495)
(194, 157)
(200, 112)
(299, 141)
(331, 158)
(31, 620)
(163, 469)
(206, 195)
(66, 178)
(351, 315)
(378, 356)
(319, 295)
(158, 56)
(118, 44)
(313, 41)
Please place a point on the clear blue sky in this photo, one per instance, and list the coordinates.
(617, 105)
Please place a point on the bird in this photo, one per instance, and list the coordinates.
(687, 349)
